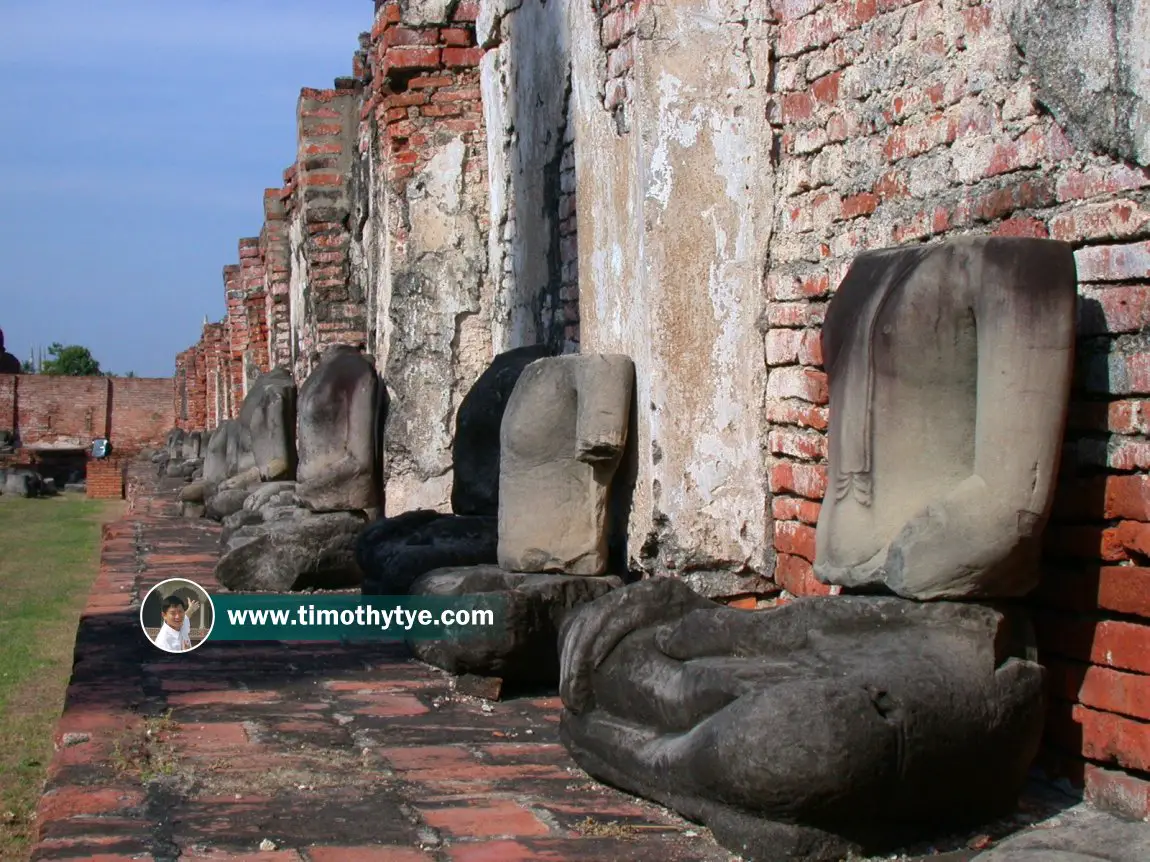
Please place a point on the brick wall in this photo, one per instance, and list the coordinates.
(277, 275)
(325, 307)
(73, 411)
(618, 21)
(913, 121)
(142, 412)
(105, 479)
(8, 401)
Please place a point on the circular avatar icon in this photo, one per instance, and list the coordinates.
(177, 615)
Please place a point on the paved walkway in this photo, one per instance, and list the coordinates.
(314, 752)
(305, 751)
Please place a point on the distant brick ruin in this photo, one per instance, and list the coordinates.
(727, 161)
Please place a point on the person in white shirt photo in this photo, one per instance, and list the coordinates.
(175, 633)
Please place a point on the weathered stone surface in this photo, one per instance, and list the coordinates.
(1083, 835)
(229, 452)
(1097, 84)
(193, 492)
(522, 647)
(824, 726)
(272, 494)
(393, 552)
(950, 369)
(342, 408)
(676, 192)
(436, 317)
(476, 447)
(219, 505)
(174, 444)
(562, 439)
(190, 446)
(22, 483)
(294, 553)
(269, 414)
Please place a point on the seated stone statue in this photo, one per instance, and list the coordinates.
(268, 418)
(562, 438)
(852, 724)
(289, 535)
(342, 408)
(9, 364)
(394, 551)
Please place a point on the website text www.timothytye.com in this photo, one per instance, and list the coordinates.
(362, 616)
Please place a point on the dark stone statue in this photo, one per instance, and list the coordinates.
(855, 723)
(9, 364)
(393, 552)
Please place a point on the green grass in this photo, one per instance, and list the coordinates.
(49, 556)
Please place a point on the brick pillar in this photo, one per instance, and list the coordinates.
(277, 276)
(251, 352)
(326, 308)
(428, 224)
(675, 185)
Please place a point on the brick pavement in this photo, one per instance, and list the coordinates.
(319, 752)
(327, 751)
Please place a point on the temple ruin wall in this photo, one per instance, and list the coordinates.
(727, 160)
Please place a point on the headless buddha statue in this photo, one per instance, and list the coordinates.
(854, 723)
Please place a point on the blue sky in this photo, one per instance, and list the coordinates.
(138, 138)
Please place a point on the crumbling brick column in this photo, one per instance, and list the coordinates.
(909, 122)
(525, 75)
(277, 277)
(675, 184)
(325, 307)
(426, 234)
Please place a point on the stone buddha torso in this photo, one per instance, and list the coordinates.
(949, 371)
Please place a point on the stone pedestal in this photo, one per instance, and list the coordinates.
(823, 727)
(522, 648)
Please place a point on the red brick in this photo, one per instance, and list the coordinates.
(456, 36)
(1110, 220)
(805, 445)
(806, 480)
(1109, 738)
(66, 802)
(430, 81)
(1023, 226)
(497, 851)
(1114, 262)
(411, 58)
(796, 413)
(367, 854)
(1127, 497)
(859, 205)
(797, 577)
(428, 757)
(1134, 536)
(1102, 688)
(797, 106)
(394, 705)
(456, 57)
(1098, 180)
(1116, 791)
(826, 88)
(794, 538)
(1113, 643)
(485, 820)
(468, 10)
(795, 509)
(407, 36)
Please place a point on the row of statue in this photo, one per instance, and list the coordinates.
(909, 705)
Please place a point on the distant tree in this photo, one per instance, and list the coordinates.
(70, 361)
(27, 367)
